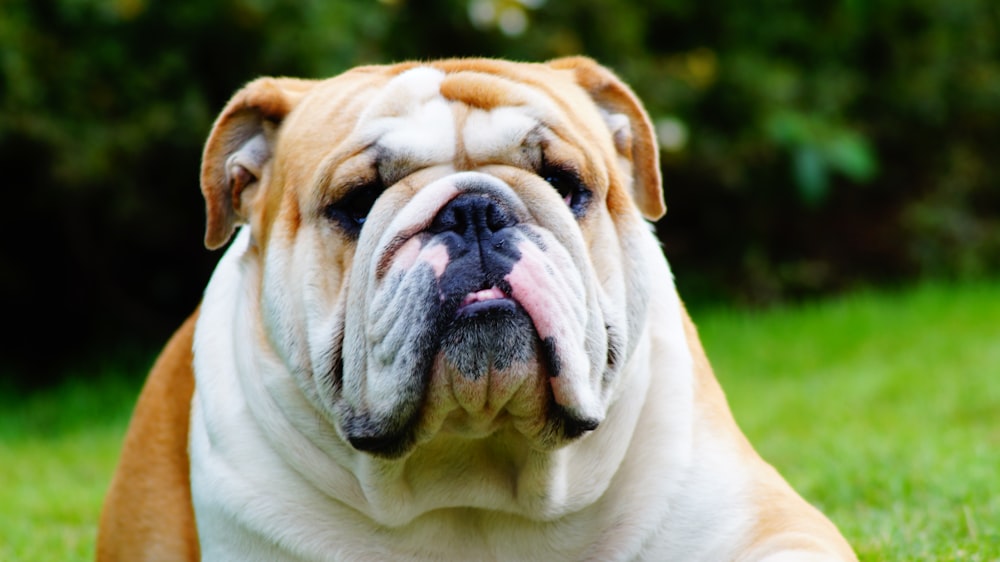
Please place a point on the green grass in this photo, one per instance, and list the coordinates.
(881, 409)
(57, 452)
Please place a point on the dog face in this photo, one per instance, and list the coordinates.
(443, 250)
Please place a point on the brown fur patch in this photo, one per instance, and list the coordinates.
(482, 91)
(147, 512)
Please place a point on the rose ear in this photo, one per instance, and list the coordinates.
(630, 127)
(238, 149)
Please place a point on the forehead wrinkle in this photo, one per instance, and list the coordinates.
(500, 134)
(408, 121)
(423, 138)
(405, 93)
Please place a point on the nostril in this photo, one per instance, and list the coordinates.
(449, 219)
(472, 211)
(497, 217)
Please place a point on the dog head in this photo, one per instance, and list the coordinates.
(443, 249)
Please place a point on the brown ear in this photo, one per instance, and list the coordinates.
(239, 147)
(630, 125)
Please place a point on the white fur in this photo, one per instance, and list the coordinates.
(502, 131)
(409, 115)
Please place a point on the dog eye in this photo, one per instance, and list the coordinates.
(568, 185)
(351, 211)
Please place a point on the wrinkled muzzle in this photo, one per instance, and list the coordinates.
(468, 313)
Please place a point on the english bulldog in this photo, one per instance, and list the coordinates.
(443, 330)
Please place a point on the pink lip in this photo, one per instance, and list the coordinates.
(493, 293)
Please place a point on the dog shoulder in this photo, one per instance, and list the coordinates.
(147, 512)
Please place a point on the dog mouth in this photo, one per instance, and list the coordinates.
(480, 363)
(486, 301)
(489, 333)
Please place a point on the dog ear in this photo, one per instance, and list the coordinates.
(630, 126)
(238, 148)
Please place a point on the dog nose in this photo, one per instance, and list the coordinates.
(472, 215)
(482, 244)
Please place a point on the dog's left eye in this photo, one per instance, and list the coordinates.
(569, 186)
(351, 211)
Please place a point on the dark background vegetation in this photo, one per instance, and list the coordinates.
(809, 147)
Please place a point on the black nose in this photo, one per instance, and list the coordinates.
(481, 237)
(472, 216)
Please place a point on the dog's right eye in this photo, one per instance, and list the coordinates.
(568, 185)
(351, 211)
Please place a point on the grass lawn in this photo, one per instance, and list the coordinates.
(882, 409)
(58, 451)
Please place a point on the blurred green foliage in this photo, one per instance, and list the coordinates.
(807, 147)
